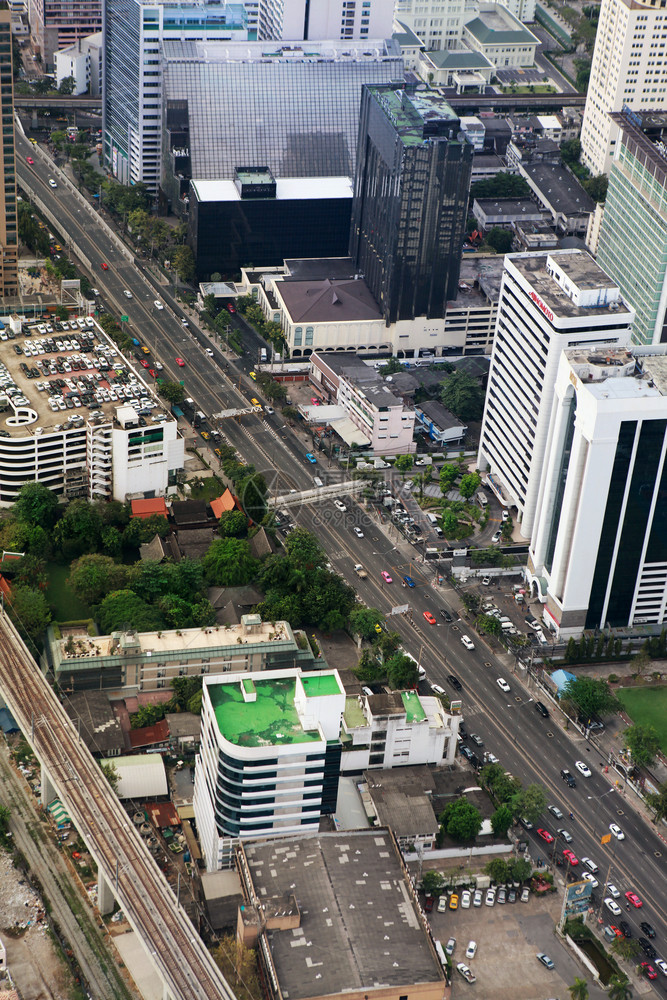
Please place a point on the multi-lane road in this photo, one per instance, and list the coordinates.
(532, 748)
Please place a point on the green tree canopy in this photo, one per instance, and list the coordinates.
(229, 563)
(449, 473)
(579, 989)
(29, 611)
(462, 395)
(304, 551)
(401, 672)
(79, 529)
(233, 524)
(432, 883)
(658, 803)
(460, 820)
(94, 576)
(36, 504)
(404, 463)
(502, 185)
(469, 484)
(183, 262)
(596, 187)
(500, 239)
(530, 803)
(592, 697)
(619, 988)
(489, 624)
(644, 744)
(501, 820)
(124, 609)
(498, 870)
(110, 773)
(173, 392)
(363, 621)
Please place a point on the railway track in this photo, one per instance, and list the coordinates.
(145, 896)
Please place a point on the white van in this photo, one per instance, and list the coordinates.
(262, 355)
(432, 518)
(482, 501)
(318, 482)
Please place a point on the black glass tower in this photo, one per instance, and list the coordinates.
(410, 200)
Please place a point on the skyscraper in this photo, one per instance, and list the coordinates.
(327, 20)
(598, 554)
(548, 302)
(133, 32)
(628, 70)
(632, 246)
(8, 225)
(410, 199)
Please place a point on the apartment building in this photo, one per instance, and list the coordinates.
(8, 222)
(57, 24)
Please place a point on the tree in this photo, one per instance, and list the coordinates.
(658, 803)
(363, 621)
(462, 395)
(500, 239)
(173, 392)
(501, 820)
(469, 484)
(570, 151)
(497, 870)
(36, 504)
(448, 475)
(183, 262)
(404, 463)
(67, 85)
(432, 883)
(401, 672)
(450, 524)
(93, 576)
(303, 550)
(596, 187)
(521, 869)
(579, 989)
(530, 803)
(619, 988)
(29, 611)
(123, 609)
(460, 820)
(489, 624)
(5, 816)
(229, 563)
(644, 744)
(233, 523)
(627, 948)
(592, 697)
(110, 773)
(502, 185)
(79, 529)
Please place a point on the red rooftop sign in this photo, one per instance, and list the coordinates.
(540, 305)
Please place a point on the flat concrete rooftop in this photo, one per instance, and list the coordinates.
(360, 929)
(583, 272)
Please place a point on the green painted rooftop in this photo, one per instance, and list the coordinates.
(354, 715)
(318, 685)
(418, 117)
(270, 720)
(413, 707)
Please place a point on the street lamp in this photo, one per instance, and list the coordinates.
(522, 705)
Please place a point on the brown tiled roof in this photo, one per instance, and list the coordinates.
(327, 300)
(148, 508)
(149, 735)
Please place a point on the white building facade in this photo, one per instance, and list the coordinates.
(549, 302)
(628, 70)
(598, 555)
(270, 757)
(83, 62)
(297, 20)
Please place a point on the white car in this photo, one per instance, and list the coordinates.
(442, 904)
(96, 291)
(491, 897)
(471, 950)
(612, 890)
(127, 293)
(467, 642)
(464, 971)
(590, 878)
(358, 532)
(612, 906)
(503, 685)
(477, 898)
(466, 900)
(158, 304)
(567, 837)
(209, 351)
(582, 768)
(437, 689)
(451, 944)
(339, 505)
(52, 183)
(661, 964)
(617, 832)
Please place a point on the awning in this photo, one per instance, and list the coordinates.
(349, 432)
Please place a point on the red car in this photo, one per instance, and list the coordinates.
(545, 835)
(105, 266)
(143, 363)
(151, 371)
(648, 970)
(633, 898)
(231, 308)
(571, 857)
(30, 160)
(180, 362)
(429, 617)
(617, 931)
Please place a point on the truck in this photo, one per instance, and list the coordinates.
(360, 571)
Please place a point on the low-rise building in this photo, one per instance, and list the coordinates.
(501, 37)
(505, 212)
(369, 401)
(409, 43)
(349, 899)
(130, 662)
(402, 799)
(561, 194)
(471, 317)
(270, 757)
(464, 69)
(395, 729)
(82, 61)
(439, 425)
(78, 418)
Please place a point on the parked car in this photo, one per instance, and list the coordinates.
(442, 904)
(450, 946)
(477, 898)
(471, 950)
(464, 971)
(466, 899)
(545, 960)
(490, 897)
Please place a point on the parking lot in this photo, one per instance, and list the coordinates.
(508, 938)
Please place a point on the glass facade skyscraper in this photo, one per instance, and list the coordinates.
(410, 199)
(8, 224)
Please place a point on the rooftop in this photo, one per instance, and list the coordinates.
(495, 25)
(419, 117)
(439, 414)
(328, 300)
(458, 59)
(621, 373)
(644, 135)
(356, 904)
(287, 189)
(406, 37)
(402, 800)
(261, 715)
(584, 275)
(559, 188)
(51, 380)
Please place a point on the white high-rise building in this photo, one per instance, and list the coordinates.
(598, 555)
(549, 302)
(329, 20)
(629, 69)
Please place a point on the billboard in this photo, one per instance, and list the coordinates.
(578, 898)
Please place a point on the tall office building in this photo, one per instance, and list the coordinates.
(133, 33)
(270, 756)
(8, 223)
(549, 302)
(598, 555)
(410, 200)
(296, 20)
(632, 245)
(56, 24)
(628, 70)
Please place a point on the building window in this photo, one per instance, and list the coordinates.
(298, 333)
(309, 335)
